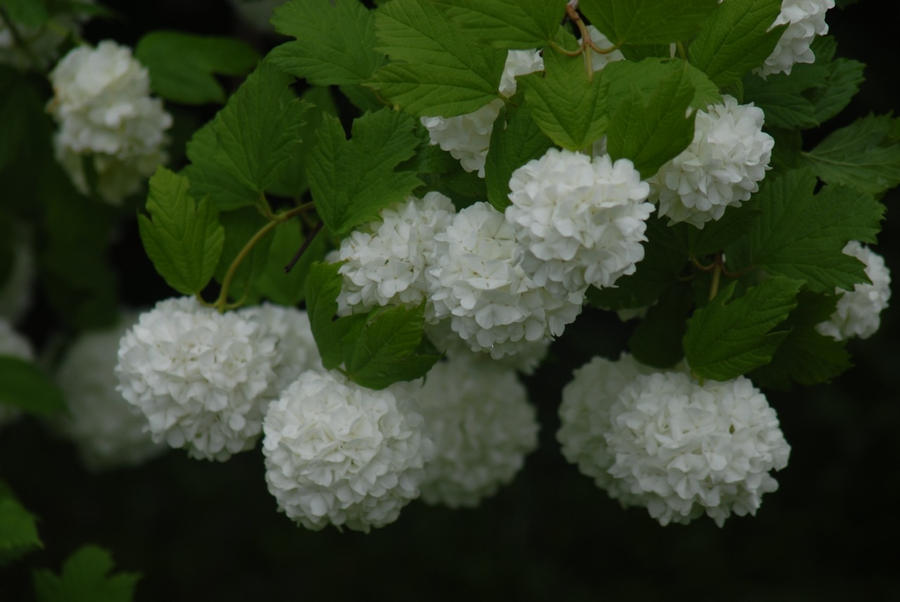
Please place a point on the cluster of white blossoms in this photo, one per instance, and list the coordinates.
(666, 442)
(384, 262)
(15, 345)
(722, 166)
(467, 137)
(108, 431)
(858, 312)
(477, 413)
(337, 453)
(103, 105)
(805, 19)
(579, 221)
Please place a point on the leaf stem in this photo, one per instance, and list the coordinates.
(716, 277)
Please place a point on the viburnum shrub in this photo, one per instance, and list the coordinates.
(399, 207)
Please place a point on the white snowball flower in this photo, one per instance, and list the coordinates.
(385, 261)
(15, 291)
(108, 431)
(581, 221)
(584, 418)
(477, 282)
(805, 19)
(12, 344)
(686, 448)
(296, 346)
(338, 453)
(467, 137)
(198, 376)
(858, 311)
(478, 415)
(102, 102)
(722, 166)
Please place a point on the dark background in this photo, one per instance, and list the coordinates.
(209, 531)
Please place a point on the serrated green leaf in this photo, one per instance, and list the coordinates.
(730, 337)
(380, 142)
(508, 23)
(18, 531)
(184, 240)
(801, 236)
(85, 578)
(182, 65)
(288, 288)
(438, 68)
(511, 147)
(243, 151)
(735, 39)
(25, 386)
(384, 349)
(649, 124)
(240, 226)
(335, 42)
(657, 339)
(805, 356)
(864, 155)
(568, 106)
(647, 21)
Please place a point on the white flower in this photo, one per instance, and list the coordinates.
(198, 376)
(15, 291)
(684, 448)
(858, 311)
(580, 221)
(599, 61)
(15, 345)
(385, 261)
(477, 281)
(722, 166)
(584, 418)
(526, 359)
(477, 413)
(342, 454)
(108, 431)
(805, 19)
(296, 348)
(467, 137)
(102, 102)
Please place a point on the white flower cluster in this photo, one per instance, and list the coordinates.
(197, 376)
(580, 221)
(858, 311)
(467, 137)
(12, 344)
(478, 282)
(102, 102)
(477, 413)
(108, 431)
(722, 166)
(805, 19)
(385, 261)
(337, 453)
(663, 441)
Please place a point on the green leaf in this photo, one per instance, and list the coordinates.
(18, 531)
(240, 226)
(805, 357)
(385, 350)
(648, 123)
(184, 240)
(569, 107)
(85, 578)
(288, 288)
(182, 65)
(864, 155)
(730, 337)
(657, 339)
(511, 147)
(28, 13)
(647, 21)
(25, 386)
(717, 235)
(735, 39)
(353, 180)
(802, 236)
(508, 23)
(444, 71)
(244, 150)
(323, 285)
(335, 41)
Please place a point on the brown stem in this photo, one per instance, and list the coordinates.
(303, 248)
